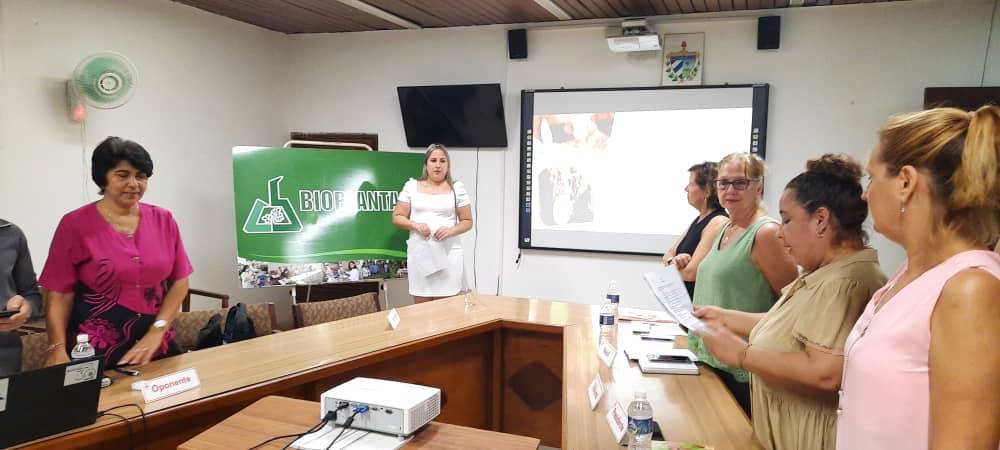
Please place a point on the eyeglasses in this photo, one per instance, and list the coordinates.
(739, 185)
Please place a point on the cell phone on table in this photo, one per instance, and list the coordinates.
(653, 357)
(7, 313)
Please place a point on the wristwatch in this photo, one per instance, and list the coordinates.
(160, 324)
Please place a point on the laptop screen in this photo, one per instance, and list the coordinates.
(50, 400)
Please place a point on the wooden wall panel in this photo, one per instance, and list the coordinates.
(532, 387)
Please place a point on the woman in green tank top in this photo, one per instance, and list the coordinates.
(747, 265)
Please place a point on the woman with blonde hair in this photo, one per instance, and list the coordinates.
(435, 207)
(746, 266)
(921, 366)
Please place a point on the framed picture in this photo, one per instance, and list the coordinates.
(683, 59)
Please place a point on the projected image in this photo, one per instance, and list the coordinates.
(579, 131)
(564, 189)
(606, 170)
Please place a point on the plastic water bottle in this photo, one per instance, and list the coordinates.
(607, 321)
(614, 296)
(82, 349)
(640, 423)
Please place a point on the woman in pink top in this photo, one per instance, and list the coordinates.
(117, 269)
(922, 368)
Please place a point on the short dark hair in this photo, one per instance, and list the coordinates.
(704, 176)
(114, 150)
(834, 181)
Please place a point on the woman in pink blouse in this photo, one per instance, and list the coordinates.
(922, 366)
(117, 270)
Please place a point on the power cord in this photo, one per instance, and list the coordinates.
(475, 224)
(347, 423)
(131, 439)
(330, 416)
(145, 434)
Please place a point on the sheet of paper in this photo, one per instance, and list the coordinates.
(666, 331)
(668, 287)
(643, 315)
(427, 256)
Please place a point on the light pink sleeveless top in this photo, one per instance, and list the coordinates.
(885, 392)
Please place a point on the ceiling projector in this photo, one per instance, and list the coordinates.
(635, 36)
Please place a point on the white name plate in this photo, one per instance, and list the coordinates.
(168, 385)
(393, 318)
(595, 391)
(618, 421)
(607, 353)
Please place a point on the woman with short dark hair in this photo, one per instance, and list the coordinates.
(117, 270)
(694, 244)
(794, 352)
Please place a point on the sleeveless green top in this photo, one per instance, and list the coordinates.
(728, 279)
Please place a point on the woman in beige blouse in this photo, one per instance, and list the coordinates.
(795, 350)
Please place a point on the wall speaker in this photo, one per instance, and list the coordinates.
(517, 44)
(768, 32)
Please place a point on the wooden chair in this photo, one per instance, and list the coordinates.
(312, 313)
(186, 306)
(189, 323)
(33, 350)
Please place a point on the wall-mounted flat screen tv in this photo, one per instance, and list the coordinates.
(464, 115)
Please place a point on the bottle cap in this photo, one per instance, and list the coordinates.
(82, 338)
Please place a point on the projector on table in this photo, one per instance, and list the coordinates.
(393, 407)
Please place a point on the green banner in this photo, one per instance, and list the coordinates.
(296, 205)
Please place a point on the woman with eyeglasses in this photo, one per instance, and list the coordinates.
(921, 366)
(746, 266)
(795, 350)
(435, 208)
(694, 244)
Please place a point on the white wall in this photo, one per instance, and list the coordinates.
(209, 83)
(206, 84)
(839, 73)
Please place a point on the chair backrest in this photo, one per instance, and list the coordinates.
(33, 350)
(188, 324)
(312, 313)
(186, 304)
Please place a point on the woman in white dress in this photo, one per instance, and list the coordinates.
(437, 209)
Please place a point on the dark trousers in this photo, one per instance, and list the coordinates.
(741, 391)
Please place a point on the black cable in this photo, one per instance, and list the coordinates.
(131, 440)
(331, 415)
(475, 224)
(347, 424)
(145, 433)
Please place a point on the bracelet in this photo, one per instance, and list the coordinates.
(54, 346)
(742, 357)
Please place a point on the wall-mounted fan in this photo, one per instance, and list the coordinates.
(103, 80)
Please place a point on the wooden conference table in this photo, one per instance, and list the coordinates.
(279, 416)
(513, 365)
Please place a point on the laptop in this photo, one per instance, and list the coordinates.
(47, 401)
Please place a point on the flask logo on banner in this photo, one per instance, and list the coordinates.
(276, 215)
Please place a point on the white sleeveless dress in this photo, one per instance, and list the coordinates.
(437, 210)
